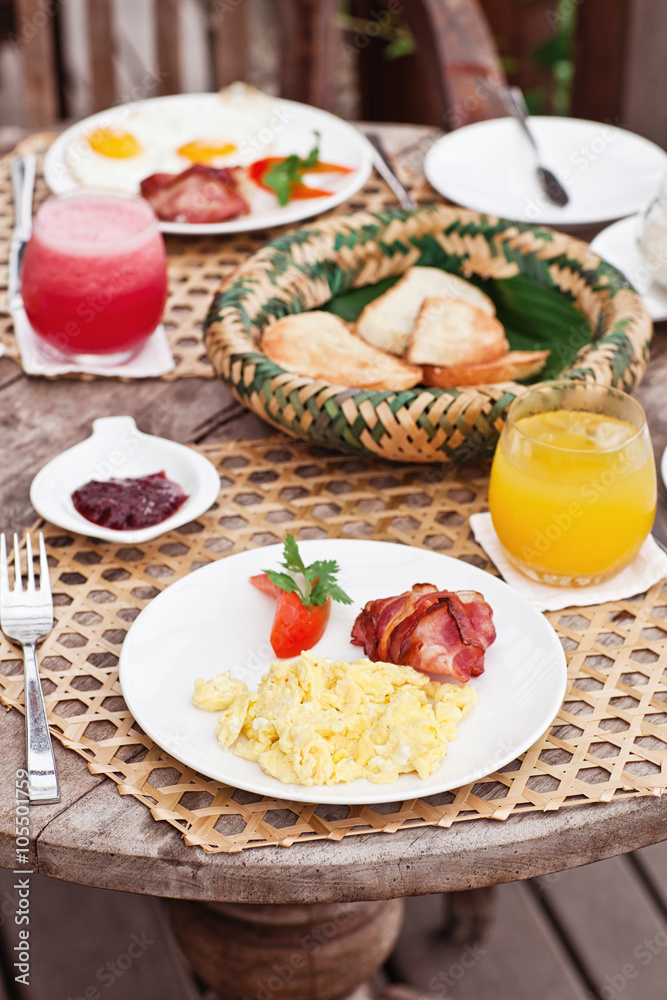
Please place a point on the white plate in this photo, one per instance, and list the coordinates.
(340, 143)
(118, 449)
(490, 167)
(617, 244)
(214, 620)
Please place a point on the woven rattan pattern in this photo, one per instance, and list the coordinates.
(197, 265)
(609, 739)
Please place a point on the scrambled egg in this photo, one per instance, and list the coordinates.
(318, 722)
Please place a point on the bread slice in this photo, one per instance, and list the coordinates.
(511, 366)
(452, 332)
(321, 345)
(388, 321)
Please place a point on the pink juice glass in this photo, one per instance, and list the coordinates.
(94, 278)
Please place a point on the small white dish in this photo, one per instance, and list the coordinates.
(213, 620)
(117, 449)
(617, 244)
(608, 172)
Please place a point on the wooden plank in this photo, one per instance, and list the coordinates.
(229, 42)
(598, 58)
(518, 957)
(168, 37)
(149, 857)
(651, 392)
(517, 31)
(116, 943)
(35, 38)
(101, 53)
(451, 80)
(74, 776)
(613, 926)
(307, 35)
(653, 863)
(643, 105)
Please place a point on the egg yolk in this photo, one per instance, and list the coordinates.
(203, 151)
(115, 143)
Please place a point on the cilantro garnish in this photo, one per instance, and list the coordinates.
(319, 578)
(281, 176)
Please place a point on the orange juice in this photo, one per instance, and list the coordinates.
(572, 493)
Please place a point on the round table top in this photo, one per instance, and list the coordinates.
(95, 837)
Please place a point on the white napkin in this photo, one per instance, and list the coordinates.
(648, 567)
(39, 358)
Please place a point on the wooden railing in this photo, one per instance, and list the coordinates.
(620, 56)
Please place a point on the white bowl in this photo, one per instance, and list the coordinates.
(118, 449)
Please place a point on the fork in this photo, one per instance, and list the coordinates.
(27, 616)
(515, 103)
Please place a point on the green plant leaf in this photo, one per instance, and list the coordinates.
(292, 557)
(284, 582)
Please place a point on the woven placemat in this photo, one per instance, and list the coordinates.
(608, 740)
(197, 264)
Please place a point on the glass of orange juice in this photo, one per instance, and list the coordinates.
(573, 484)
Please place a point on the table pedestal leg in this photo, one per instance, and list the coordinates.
(319, 951)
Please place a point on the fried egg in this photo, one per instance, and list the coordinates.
(316, 721)
(134, 141)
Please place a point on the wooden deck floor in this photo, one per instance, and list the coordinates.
(594, 932)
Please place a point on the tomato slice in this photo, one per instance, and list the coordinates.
(299, 192)
(267, 586)
(329, 168)
(257, 169)
(296, 627)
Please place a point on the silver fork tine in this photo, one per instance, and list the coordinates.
(30, 569)
(44, 578)
(18, 582)
(4, 575)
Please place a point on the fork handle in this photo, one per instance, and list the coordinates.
(43, 780)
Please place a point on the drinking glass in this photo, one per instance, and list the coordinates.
(94, 278)
(573, 483)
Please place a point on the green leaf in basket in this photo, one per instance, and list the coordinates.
(350, 305)
(535, 318)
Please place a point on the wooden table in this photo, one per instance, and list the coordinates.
(220, 913)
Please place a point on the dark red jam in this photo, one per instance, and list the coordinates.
(128, 504)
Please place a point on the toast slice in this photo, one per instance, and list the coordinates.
(388, 322)
(508, 368)
(453, 332)
(322, 346)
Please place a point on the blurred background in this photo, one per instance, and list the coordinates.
(597, 59)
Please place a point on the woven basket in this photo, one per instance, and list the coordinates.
(307, 268)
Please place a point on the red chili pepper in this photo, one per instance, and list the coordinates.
(295, 627)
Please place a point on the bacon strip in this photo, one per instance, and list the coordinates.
(439, 631)
(199, 194)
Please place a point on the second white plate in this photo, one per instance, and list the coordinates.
(490, 167)
(617, 244)
(214, 620)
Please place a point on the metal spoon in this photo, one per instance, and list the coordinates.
(514, 102)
